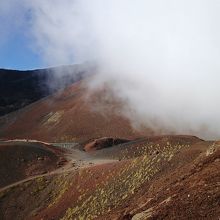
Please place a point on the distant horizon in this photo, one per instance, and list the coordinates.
(16, 52)
(23, 69)
(39, 68)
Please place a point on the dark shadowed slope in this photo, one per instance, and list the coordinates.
(20, 88)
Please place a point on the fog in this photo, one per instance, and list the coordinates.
(161, 58)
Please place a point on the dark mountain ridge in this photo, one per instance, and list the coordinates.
(21, 88)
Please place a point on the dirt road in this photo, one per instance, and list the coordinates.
(76, 159)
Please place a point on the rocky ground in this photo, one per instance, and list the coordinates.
(163, 177)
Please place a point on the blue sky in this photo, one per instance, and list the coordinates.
(16, 53)
(15, 38)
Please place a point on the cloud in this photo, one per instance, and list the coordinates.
(59, 30)
(160, 57)
(12, 19)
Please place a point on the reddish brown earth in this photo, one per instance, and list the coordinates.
(70, 115)
(104, 177)
(104, 142)
(19, 160)
(163, 177)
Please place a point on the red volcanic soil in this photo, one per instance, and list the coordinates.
(69, 115)
(104, 142)
(19, 160)
(167, 177)
(159, 177)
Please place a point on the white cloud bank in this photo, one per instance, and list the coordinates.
(161, 57)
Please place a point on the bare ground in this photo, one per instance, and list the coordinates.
(164, 177)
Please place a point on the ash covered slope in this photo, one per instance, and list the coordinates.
(69, 115)
(20, 88)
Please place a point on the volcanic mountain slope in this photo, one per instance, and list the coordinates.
(106, 170)
(20, 88)
(19, 160)
(69, 115)
(166, 177)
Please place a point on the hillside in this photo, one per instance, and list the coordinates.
(21, 88)
(163, 177)
(20, 160)
(69, 115)
(72, 155)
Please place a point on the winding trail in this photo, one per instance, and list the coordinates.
(76, 159)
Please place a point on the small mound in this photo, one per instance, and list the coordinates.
(19, 160)
(104, 142)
